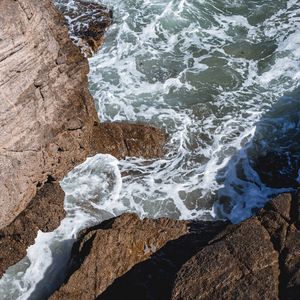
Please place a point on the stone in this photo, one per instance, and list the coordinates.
(257, 259)
(88, 23)
(46, 110)
(122, 140)
(44, 213)
(106, 252)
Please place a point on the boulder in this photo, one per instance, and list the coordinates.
(106, 252)
(257, 259)
(126, 258)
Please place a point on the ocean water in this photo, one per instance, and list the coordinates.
(222, 79)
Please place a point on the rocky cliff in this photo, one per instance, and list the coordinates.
(46, 111)
(48, 119)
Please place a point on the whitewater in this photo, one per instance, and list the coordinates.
(221, 79)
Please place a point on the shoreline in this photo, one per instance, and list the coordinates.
(264, 248)
(78, 140)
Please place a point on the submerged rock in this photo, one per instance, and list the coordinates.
(126, 258)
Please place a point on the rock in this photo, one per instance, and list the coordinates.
(154, 278)
(106, 252)
(122, 140)
(48, 122)
(242, 265)
(15, 238)
(46, 209)
(257, 259)
(46, 111)
(87, 22)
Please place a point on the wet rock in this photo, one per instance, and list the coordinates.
(88, 23)
(44, 213)
(278, 170)
(257, 259)
(106, 252)
(122, 140)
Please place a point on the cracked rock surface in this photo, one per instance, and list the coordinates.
(126, 258)
(46, 111)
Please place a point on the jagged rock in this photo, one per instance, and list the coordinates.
(257, 259)
(87, 22)
(46, 111)
(106, 252)
(121, 140)
(44, 213)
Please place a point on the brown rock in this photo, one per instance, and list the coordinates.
(88, 23)
(259, 259)
(154, 278)
(106, 252)
(21, 233)
(242, 265)
(46, 111)
(121, 140)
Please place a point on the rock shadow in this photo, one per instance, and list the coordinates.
(154, 278)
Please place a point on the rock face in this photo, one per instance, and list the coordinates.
(162, 259)
(46, 111)
(106, 252)
(48, 121)
(258, 259)
(121, 140)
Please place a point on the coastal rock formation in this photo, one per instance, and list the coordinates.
(258, 259)
(106, 252)
(167, 259)
(46, 111)
(43, 213)
(46, 209)
(121, 140)
(87, 23)
(48, 122)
